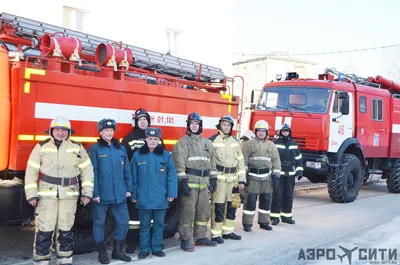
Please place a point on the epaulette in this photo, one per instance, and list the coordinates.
(212, 138)
(44, 142)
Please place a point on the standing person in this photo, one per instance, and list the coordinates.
(133, 142)
(248, 135)
(112, 186)
(292, 166)
(231, 177)
(61, 161)
(195, 163)
(154, 185)
(264, 167)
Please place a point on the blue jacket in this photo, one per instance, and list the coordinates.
(112, 173)
(154, 178)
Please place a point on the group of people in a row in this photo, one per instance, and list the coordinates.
(136, 180)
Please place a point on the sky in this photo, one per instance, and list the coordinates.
(312, 26)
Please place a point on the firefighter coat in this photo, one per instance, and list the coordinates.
(263, 156)
(228, 155)
(291, 158)
(68, 161)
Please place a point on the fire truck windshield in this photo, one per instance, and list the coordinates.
(295, 99)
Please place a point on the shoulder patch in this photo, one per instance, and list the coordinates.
(212, 138)
(44, 142)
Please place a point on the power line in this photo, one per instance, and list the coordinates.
(318, 53)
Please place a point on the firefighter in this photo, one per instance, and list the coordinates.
(154, 185)
(231, 177)
(263, 171)
(248, 135)
(195, 163)
(133, 142)
(112, 187)
(292, 166)
(61, 161)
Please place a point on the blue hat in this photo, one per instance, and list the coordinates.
(152, 132)
(106, 123)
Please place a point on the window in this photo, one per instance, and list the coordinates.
(173, 38)
(74, 18)
(377, 110)
(363, 105)
(335, 108)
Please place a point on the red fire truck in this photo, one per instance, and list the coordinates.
(47, 71)
(348, 128)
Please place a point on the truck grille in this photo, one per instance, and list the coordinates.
(308, 142)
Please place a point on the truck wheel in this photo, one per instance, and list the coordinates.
(393, 178)
(83, 234)
(344, 181)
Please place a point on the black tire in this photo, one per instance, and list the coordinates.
(393, 178)
(344, 182)
(83, 233)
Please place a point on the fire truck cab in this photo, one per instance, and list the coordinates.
(348, 128)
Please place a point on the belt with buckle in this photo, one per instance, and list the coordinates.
(226, 170)
(59, 181)
(198, 172)
(259, 171)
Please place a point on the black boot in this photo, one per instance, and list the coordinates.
(118, 253)
(266, 227)
(103, 257)
(288, 221)
(275, 221)
(232, 236)
(131, 248)
(218, 239)
(247, 228)
(143, 255)
(186, 246)
(205, 242)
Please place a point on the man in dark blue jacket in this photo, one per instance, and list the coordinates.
(155, 183)
(112, 186)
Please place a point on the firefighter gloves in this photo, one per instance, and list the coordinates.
(213, 185)
(184, 187)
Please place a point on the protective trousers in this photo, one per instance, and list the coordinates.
(52, 215)
(133, 235)
(99, 213)
(255, 189)
(194, 213)
(145, 217)
(222, 213)
(282, 201)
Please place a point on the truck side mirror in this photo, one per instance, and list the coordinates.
(252, 97)
(345, 108)
(253, 106)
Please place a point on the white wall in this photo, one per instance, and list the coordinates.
(206, 25)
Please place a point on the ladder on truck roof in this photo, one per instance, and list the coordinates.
(32, 31)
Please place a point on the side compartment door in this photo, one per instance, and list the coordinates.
(341, 119)
(363, 123)
(378, 136)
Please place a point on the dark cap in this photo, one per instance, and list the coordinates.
(152, 132)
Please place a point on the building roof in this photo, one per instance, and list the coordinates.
(274, 57)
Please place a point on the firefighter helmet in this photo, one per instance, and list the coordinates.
(248, 135)
(194, 116)
(285, 127)
(106, 123)
(138, 114)
(60, 122)
(262, 125)
(227, 118)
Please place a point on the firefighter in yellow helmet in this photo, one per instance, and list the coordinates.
(263, 171)
(231, 177)
(61, 161)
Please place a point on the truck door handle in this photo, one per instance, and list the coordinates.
(382, 130)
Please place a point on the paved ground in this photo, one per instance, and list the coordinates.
(370, 223)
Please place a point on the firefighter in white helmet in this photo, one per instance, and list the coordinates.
(61, 161)
(263, 167)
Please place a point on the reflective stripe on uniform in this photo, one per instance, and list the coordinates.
(30, 186)
(241, 172)
(199, 186)
(249, 212)
(48, 150)
(201, 223)
(213, 173)
(195, 158)
(260, 158)
(275, 215)
(136, 142)
(87, 184)
(280, 146)
(70, 150)
(181, 174)
(85, 164)
(276, 171)
(228, 228)
(288, 215)
(216, 233)
(240, 157)
(298, 157)
(72, 193)
(299, 168)
(259, 175)
(218, 145)
(292, 146)
(234, 145)
(33, 164)
(263, 211)
(290, 173)
(223, 178)
(47, 193)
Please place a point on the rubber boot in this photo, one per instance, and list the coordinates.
(247, 228)
(232, 236)
(118, 253)
(131, 248)
(288, 221)
(275, 222)
(205, 242)
(103, 257)
(218, 239)
(266, 227)
(186, 246)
